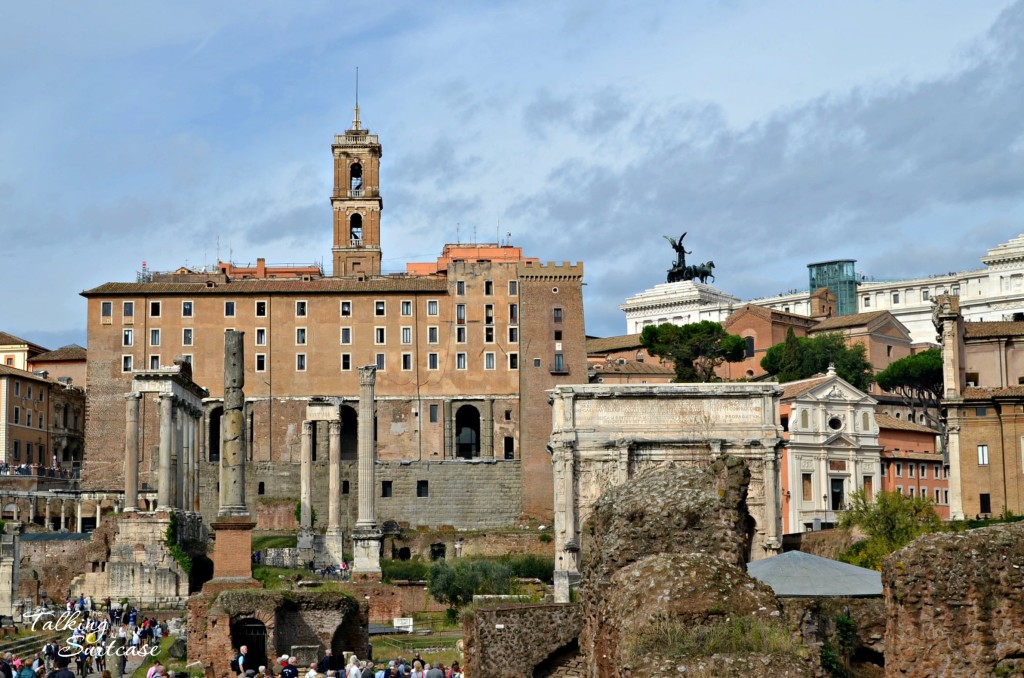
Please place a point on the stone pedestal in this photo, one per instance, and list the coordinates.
(366, 556)
(232, 547)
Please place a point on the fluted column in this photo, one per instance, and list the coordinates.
(306, 478)
(131, 453)
(334, 490)
(197, 421)
(367, 508)
(165, 487)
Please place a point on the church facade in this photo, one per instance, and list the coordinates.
(465, 348)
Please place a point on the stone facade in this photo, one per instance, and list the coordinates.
(832, 450)
(604, 436)
(465, 348)
(954, 604)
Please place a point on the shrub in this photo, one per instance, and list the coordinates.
(411, 570)
(455, 585)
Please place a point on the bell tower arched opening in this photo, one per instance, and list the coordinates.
(357, 203)
(355, 180)
(355, 230)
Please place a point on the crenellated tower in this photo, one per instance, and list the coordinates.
(356, 201)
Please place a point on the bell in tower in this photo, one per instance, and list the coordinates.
(356, 202)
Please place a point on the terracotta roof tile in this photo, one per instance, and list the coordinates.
(69, 352)
(767, 314)
(844, 321)
(797, 388)
(978, 392)
(280, 286)
(7, 371)
(886, 421)
(980, 330)
(602, 344)
(632, 367)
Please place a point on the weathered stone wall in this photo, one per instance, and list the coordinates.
(55, 560)
(320, 619)
(478, 494)
(510, 641)
(815, 620)
(955, 604)
(488, 543)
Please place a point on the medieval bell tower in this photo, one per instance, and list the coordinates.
(356, 202)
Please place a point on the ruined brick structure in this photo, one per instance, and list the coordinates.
(465, 348)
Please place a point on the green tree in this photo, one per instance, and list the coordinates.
(803, 357)
(455, 585)
(917, 380)
(696, 349)
(891, 521)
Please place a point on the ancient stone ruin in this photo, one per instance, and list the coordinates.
(955, 604)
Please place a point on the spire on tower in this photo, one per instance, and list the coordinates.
(356, 122)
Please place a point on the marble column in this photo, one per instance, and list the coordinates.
(63, 519)
(46, 513)
(31, 509)
(196, 428)
(179, 455)
(306, 488)
(233, 456)
(334, 541)
(772, 495)
(78, 515)
(99, 513)
(367, 536)
(185, 462)
(165, 486)
(131, 452)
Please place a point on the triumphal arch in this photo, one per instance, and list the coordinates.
(603, 435)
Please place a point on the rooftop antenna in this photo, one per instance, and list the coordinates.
(356, 122)
(458, 232)
(474, 234)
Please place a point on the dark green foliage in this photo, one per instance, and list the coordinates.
(695, 349)
(917, 379)
(171, 541)
(836, 653)
(803, 357)
(455, 585)
(298, 514)
(409, 570)
(530, 566)
(891, 521)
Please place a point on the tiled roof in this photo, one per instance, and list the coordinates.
(844, 321)
(886, 421)
(6, 339)
(602, 344)
(281, 286)
(632, 367)
(69, 352)
(915, 455)
(980, 330)
(978, 392)
(7, 371)
(796, 388)
(767, 314)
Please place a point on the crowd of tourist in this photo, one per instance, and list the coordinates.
(329, 667)
(35, 470)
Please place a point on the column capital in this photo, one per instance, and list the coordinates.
(307, 427)
(133, 396)
(334, 427)
(367, 375)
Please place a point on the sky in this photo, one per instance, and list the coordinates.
(774, 133)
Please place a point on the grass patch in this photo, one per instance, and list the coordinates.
(285, 578)
(176, 665)
(739, 635)
(274, 541)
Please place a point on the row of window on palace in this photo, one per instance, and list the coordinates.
(345, 308)
(33, 453)
(435, 361)
(26, 392)
(380, 335)
(922, 470)
(908, 296)
(387, 488)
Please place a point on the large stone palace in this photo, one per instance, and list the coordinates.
(465, 348)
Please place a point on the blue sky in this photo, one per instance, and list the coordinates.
(775, 133)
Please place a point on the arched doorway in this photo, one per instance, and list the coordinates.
(347, 638)
(349, 433)
(467, 432)
(253, 634)
(213, 449)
